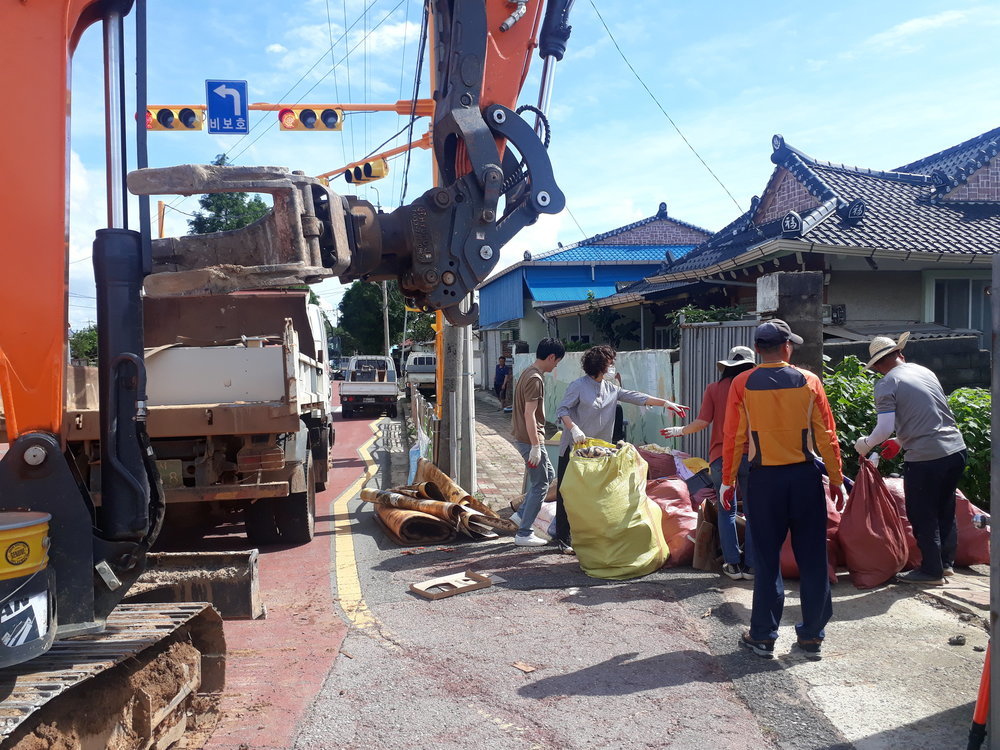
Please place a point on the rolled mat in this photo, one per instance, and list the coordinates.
(450, 513)
(431, 474)
(427, 490)
(410, 528)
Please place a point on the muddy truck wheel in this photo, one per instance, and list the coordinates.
(261, 526)
(296, 514)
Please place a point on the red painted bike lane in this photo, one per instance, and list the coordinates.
(276, 666)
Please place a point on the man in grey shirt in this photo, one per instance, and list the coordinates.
(909, 400)
(588, 410)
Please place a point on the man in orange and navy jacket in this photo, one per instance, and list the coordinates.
(784, 413)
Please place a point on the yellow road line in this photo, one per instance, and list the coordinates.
(348, 582)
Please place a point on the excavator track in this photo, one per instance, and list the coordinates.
(131, 686)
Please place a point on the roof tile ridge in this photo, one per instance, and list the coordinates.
(989, 134)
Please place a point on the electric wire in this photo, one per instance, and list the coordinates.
(660, 106)
(422, 44)
(333, 61)
(347, 57)
(273, 123)
(402, 70)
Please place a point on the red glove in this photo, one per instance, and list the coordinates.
(890, 449)
(727, 495)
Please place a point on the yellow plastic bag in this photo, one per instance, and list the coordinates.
(617, 530)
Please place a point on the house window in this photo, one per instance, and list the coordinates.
(583, 338)
(665, 337)
(964, 303)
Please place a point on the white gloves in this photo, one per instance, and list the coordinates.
(672, 432)
(535, 456)
(578, 435)
(727, 496)
(838, 497)
(862, 447)
(678, 409)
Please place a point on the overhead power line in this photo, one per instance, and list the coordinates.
(657, 102)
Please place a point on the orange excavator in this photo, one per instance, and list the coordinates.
(66, 563)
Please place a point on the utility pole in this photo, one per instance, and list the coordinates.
(385, 317)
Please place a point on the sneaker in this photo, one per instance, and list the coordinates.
(948, 571)
(920, 578)
(565, 549)
(732, 571)
(747, 573)
(763, 649)
(532, 540)
(811, 646)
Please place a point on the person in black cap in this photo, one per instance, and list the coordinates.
(783, 412)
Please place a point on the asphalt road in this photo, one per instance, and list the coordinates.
(550, 658)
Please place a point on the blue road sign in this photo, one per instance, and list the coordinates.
(227, 107)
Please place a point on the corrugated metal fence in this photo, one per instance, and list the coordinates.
(702, 345)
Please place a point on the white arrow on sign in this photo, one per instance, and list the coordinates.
(225, 91)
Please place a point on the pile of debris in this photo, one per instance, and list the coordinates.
(432, 510)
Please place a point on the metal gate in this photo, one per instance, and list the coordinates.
(702, 345)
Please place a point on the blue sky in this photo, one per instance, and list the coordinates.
(874, 84)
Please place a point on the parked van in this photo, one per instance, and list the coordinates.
(421, 371)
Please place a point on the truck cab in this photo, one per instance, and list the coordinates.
(369, 385)
(421, 371)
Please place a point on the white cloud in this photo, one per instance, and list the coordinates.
(901, 35)
(276, 49)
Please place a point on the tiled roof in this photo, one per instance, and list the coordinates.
(900, 210)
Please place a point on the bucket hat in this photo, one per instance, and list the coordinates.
(883, 345)
(738, 355)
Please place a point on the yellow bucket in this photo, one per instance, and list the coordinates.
(24, 543)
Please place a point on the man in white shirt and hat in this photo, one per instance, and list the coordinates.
(910, 402)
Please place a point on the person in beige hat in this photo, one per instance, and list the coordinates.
(910, 402)
(737, 564)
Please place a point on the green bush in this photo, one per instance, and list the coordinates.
(851, 392)
(971, 407)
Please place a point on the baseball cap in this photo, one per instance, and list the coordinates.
(775, 332)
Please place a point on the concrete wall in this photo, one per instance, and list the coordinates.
(958, 361)
(649, 371)
(878, 295)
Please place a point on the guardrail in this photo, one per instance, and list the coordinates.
(427, 426)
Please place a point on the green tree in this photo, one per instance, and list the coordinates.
(83, 344)
(419, 326)
(224, 211)
(361, 316)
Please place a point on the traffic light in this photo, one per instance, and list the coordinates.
(174, 118)
(304, 118)
(370, 171)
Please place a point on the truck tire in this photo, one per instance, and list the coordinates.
(260, 523)
(346, 412)
(296, 514)
(393, 411)
(322, 458)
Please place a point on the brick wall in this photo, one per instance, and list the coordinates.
(958, 361)
(660, 232)
(982, 185)
(787, 194)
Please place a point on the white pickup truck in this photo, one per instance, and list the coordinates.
(239, 409)
(421, 371)
(369, 385)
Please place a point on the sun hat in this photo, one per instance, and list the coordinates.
(738, 355)
(775, 332)
(883, 345)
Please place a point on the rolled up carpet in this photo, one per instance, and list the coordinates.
(450, 513)
(410, 528)
(431, 474)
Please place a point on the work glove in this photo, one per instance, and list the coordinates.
(535, 456)
(672, 432)
(578, 436)
(838, 497)
(890, 449)
(727, 496)
(862, 447)
(678, 409)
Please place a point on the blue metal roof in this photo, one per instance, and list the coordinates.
(569, 284)
(605, 253)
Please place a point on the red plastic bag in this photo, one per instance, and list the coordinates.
(973, 543)
(660, 464)
(679, 518)
(913, 554)
(790, 568)
(871, 531)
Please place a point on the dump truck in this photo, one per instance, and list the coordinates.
(239, 409)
